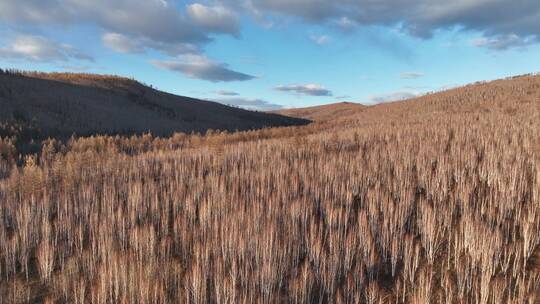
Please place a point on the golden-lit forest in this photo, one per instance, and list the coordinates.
(431, 200)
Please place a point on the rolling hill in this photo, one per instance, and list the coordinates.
(323, 113)
(59, 105)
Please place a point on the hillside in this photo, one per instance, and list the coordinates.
(59, 105)
(430, 200)
(323, 113)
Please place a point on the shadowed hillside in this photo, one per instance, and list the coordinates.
(430, 200)
(40, 105)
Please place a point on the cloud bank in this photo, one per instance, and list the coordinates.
(200, 67)
(495, 19)
(502, 23)
(37, 48)
(305, 89)
(249, 103)
(226, 93)
(129, 26)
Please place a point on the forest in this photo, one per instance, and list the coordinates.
(430, 200)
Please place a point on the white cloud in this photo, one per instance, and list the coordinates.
(395, 96)
(217, 19)
(346, 24)
(226, 93)
(126, 44)
(200, 67)
(38, 48)
(504, 42)
(122, 43)
(411, 75)
(320, 39)
(305, 89)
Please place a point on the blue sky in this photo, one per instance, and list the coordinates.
(270, 54)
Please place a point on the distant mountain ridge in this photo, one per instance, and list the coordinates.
(62, 104)
(324, 112)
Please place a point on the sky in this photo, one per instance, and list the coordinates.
(273, 54)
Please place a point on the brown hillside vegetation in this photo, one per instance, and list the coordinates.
(40, 105)
(325, 112)
(432, 200)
